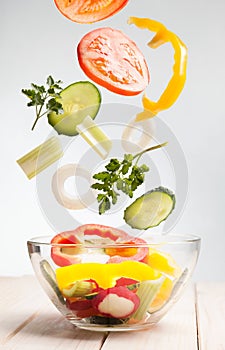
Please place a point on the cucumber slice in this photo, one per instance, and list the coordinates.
(49, 275)
(78, 101)
(150, 209)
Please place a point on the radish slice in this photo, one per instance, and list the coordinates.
(145, 130)
(62, 196)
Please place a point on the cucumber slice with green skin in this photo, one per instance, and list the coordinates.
(78, 101)
(150, 209)
(49, 275)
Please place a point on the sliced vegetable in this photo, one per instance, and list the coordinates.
(95, 137)
(81, 308)
(41, 157)
(162, 296)
(139, 252)
(49, 275)
(163, 263)
(78, 289)
(126, 282)
(145, 129)
(150, 209)
(177, 82)
(112, 60)
(62, 196)
(80, 304)
(85, 11)
(105, 275)
(68, 254)
(146, 293)
(125, 176)
(117, 302)
(78, 101)
(105, 232)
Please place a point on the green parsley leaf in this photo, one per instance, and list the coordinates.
(122, 175)
(41, 97)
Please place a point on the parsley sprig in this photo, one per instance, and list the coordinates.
(41, 97)
(125, 176)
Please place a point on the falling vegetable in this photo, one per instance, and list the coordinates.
(41, 157)
(86, 11)
(64, 108)
(44, 97)
(177, 82)
(111, 59)
(125, 176)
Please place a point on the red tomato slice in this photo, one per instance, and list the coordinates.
(89, 11)
(112, 60)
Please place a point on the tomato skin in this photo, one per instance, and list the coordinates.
(111, 59)
(76, 10)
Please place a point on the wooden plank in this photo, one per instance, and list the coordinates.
(210, 298)
(20, 299)
(50, 331)
(177, 330)
(30, 321)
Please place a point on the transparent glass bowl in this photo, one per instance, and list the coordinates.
(115, 286)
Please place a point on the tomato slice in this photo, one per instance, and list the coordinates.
(113, 60)
(89, 11)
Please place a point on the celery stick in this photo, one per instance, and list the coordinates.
(78, 289)
(95, 137)
(147, 292)
(41, 157)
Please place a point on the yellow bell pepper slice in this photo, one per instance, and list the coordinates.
(177, 82)
(105, 275)
(163, 263)
(162, 296)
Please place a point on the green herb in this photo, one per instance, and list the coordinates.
(41, 97)
(125, 176)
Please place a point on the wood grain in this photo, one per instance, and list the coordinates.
(176, 331)
(210, 298)
(29, 321)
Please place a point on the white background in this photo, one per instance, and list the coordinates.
(36, 40)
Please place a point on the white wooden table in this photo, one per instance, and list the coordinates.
(28, 321)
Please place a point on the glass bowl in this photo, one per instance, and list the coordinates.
(105, 285)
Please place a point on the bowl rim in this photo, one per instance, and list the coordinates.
(152, 240)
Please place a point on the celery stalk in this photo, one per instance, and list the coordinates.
(147, 292)
(78, 289)
(95, 137)
(41, 157)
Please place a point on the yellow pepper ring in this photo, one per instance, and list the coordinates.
(177, 82)
(105, 275)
